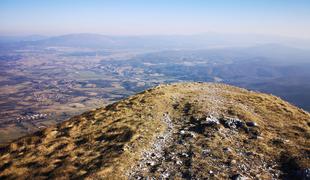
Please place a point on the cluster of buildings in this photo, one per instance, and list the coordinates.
(32, 117)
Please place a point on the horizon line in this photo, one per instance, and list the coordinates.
(153, 34)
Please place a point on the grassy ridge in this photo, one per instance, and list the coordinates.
(109, 142)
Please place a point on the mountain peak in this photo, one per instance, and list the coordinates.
(185, 130)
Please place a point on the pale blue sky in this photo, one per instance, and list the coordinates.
(149, 17)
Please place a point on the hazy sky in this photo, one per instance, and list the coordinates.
(135, 17)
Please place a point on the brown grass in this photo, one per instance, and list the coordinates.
(108, 142)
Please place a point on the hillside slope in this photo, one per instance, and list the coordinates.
(188, 130)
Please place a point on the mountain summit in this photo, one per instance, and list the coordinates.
(177, 131)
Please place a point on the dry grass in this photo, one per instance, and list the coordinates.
(108, 142)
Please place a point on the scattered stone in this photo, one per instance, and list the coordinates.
(238, 177)
(151, 163)
(232, 123)
(155, 154)
(192, 134)
(251, 124)
(211, 121)
(227, 149)
(161, 137)
(206, 152)
(185, 154)
(232, 162)
(165, 175)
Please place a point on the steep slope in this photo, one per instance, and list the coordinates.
(188, 130)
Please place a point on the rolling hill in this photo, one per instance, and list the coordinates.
(176, 131)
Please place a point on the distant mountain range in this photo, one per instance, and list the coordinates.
(208, 40)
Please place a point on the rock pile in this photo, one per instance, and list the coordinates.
(231, 123)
